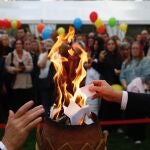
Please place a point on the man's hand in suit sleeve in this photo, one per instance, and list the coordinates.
(20, 124)
(105, 91)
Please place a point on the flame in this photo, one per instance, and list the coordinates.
(68, 59)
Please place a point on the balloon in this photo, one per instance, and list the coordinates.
(112, 22)
(77, 23)
(93, 16)
(1, 23)
(61, 31)
(101, 29)
(7, 23)
(98, 23)
(117, 87)
(123, 27)
(46, 33)
(40, 27)
(18, 24)
(14, 24)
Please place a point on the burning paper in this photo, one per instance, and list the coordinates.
(85, 92)
(71, 109)
(75, 113)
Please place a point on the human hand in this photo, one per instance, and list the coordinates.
(20, 124)
(88, 64)
(102, 55)
(124, 84)
(17, 70)
(117, 71)
(22, 69)
(105, 91)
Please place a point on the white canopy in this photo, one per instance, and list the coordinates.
(64, 12)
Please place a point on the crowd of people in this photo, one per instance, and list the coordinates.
(27, 73)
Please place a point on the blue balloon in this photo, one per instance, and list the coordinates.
(46, 33)
(77, 23)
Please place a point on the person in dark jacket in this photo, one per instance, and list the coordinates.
(129, 101)
(108, 66)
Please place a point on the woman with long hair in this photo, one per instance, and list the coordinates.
(19, 63)
(135, 66)
(109, 65)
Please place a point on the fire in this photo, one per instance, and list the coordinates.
(68, 59)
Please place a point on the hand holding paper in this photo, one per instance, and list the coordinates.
(85, 92)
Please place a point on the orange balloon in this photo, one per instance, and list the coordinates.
(40, 27)
(18, 24)
(101, 29)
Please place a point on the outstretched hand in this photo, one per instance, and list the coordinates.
(105, 91)
(20, 124)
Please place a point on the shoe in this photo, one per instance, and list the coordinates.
(106, 132)
(137, 142)
(120, 131)
(126, 137)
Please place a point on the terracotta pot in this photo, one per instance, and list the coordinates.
(55, 136)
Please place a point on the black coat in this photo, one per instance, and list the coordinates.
(1, 72)
(138, 103)
(106, 68)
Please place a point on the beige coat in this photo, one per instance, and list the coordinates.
(23, 80)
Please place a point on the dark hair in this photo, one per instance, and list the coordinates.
(101, 43)
(21, 28)
(18, 40)
(116, 51)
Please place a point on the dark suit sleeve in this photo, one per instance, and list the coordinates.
(138, 103)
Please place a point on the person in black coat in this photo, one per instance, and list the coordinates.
(3, 94)
(108, 66)
(1, 88)
(130, 102)
(133, 104)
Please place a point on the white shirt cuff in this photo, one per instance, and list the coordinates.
(124, 100)
(2, 146)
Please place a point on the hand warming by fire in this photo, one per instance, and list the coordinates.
(68, 58)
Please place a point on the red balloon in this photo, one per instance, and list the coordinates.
(7, 24)
(101, 29)
(1, 23)
(40, 27)
(93, 16)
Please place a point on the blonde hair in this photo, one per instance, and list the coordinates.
(131, 57)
